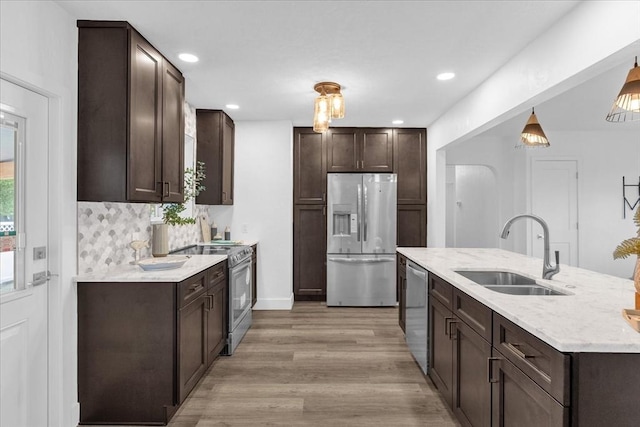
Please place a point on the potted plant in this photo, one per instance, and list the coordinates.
(630, 247)
(193, 186)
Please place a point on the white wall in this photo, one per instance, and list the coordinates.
(263, 203)
(603, 159)
(38, 43)
(551, 64)
(508, 165)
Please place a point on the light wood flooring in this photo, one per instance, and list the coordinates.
(317, 366)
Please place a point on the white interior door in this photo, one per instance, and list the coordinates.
(24, 294)
(555, 199)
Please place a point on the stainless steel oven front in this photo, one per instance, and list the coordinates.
(240, 318)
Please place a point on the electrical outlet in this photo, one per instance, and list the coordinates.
(245, 228)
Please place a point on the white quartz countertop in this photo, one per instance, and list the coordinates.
(588, 320)
(134, 273)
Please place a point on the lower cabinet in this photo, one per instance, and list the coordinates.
(412, 225)
(310, 252)
(519, 401)
(143, 346)
(216, 312)
(254, 271)
(192, 344)
(480, 384)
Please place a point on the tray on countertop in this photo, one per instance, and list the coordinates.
(163, 263)
(632, 317)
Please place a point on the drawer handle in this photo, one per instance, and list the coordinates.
(447, 329)
(193, 288)
(490, 369)
(514, 348)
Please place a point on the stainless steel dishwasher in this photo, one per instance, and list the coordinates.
(417, 311)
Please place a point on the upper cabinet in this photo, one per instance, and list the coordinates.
(130, 117)
(215, 136)
(359, 150)
(310, 167)
(410, 163)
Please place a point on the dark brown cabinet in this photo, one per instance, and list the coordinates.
(412, 225)
(310, 167)
(130, 117)
(309, 252)
(410, 163)
(459, 328)
(142, 346)
(215, 133)
(192, 341)
(359, 150)
(352, 150)
(254, 272)
(216, 311)
(401, 291)
(491, 372)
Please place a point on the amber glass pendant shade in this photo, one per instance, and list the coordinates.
(322, 114)
(626, 107)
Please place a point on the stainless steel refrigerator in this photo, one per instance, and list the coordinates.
(361, 239)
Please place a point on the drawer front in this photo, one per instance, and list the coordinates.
(473, 313)
(192, 288)
(441, 290)
(217, 274)
(548, 367)
(518, 401)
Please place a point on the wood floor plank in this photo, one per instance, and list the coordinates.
(317, 366)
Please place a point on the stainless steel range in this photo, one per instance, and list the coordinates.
(240, 276)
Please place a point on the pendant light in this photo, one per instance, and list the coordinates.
(627, 104)
(532, 135)
(328, 105)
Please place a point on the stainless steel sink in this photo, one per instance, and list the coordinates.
(497, 278)
(508, 283)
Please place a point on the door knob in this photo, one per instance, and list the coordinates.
(540, 236)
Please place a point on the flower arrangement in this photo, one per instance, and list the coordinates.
(192, 187)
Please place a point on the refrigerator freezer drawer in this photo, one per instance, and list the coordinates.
(361, 280)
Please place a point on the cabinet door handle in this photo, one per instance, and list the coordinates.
(452, 322)
(514, 348)
(447, 329)
(324, 196)
(490, 369)
(224, 196)
(211, 302)
(167, 185)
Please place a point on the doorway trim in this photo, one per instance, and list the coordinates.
(55, 315)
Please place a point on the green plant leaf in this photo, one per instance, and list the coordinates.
(192, 187)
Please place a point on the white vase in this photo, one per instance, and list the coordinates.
(160, 240)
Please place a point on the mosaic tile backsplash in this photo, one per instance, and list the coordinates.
(106, 229)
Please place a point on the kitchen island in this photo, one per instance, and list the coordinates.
(530, 360)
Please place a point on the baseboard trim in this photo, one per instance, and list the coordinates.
(274, 303)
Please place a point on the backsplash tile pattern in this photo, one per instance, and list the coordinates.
(105, 231)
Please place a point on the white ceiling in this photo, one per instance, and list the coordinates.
(267, 55)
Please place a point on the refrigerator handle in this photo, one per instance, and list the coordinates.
(365, 213)
(358, 208)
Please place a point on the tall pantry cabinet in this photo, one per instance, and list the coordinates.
(351, 150)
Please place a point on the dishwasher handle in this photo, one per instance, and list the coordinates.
(419, 273)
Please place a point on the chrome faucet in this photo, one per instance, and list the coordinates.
(547, 269)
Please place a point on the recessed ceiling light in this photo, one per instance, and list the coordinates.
(445, 76)
(397, 122)
(232, 106)
(188, 57)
